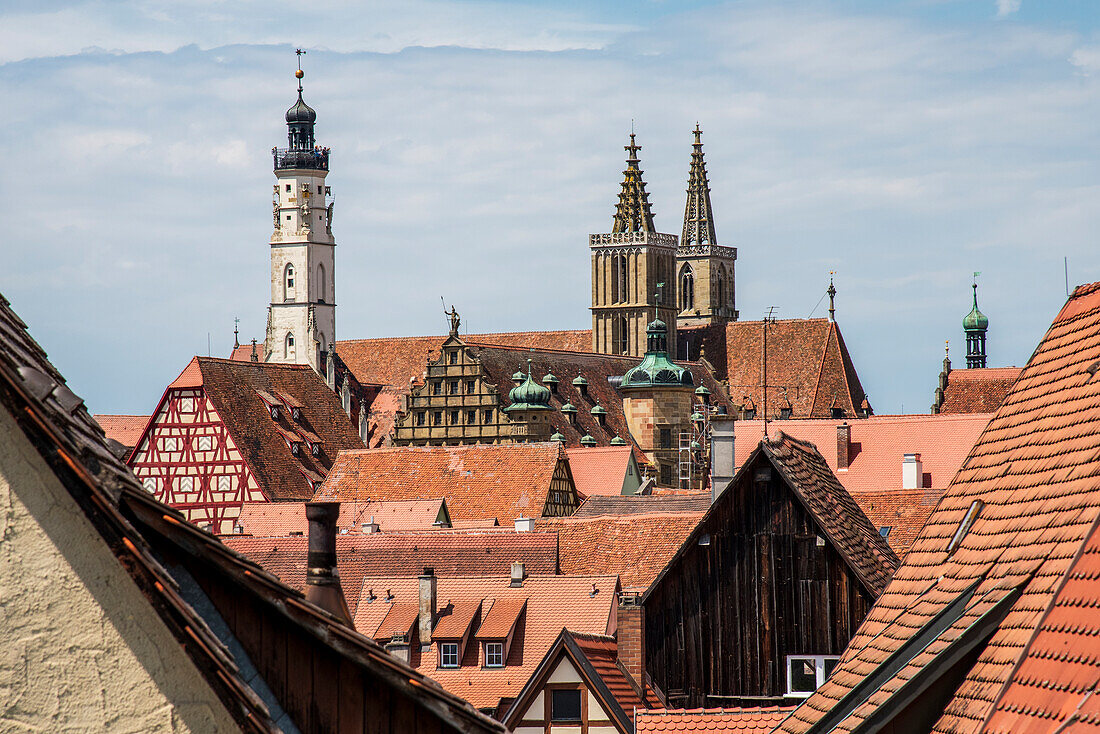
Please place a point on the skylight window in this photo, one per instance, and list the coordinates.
(964, 526)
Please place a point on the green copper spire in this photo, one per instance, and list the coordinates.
(528, 395)
(656, 369)
(975, 325)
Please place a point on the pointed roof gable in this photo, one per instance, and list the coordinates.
(999, 545)
(698, 217)
(632, 213)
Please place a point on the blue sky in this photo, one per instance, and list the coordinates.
(903, 145)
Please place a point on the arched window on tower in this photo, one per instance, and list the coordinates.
(619, 287)
(322, 295)
(720, 289)
(687, 288)
(288, 346)
(288, 283)
(620, 336)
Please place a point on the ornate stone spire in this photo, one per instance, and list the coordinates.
(632, 213)
(698, 217)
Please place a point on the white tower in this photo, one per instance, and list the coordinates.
(301, 321)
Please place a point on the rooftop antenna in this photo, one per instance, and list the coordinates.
(1065, 263)
(768, 319)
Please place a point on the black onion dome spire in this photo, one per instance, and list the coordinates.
(301, 150)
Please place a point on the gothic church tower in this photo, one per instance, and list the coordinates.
(628, 266)
(704, 269)
(301, 321)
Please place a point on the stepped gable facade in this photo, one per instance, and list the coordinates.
(478, 481)
(767, 589)
(810, 372)
(228, 432)
(172, 629)
(950, 642)
(896, 467)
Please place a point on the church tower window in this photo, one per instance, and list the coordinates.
(288, 346)
(622, 335)
(322, 296)
(687, 288)
(288, 283)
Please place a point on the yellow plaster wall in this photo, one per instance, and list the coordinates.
(80, 648)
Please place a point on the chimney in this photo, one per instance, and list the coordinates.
(398, 646)
(843, 441)
(322, 578)
(912, 472)
(630, 631)
(427, 606)
(371, 527)
(518, 574)
(721, 453)
(525, 524)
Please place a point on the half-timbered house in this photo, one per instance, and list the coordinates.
(227, 432)
(766, 591)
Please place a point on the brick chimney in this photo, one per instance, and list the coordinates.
(322, 579)
(630, 624)
(721, 453)
(843, 443)
(426, 619)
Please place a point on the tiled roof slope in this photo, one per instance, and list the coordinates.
(903, 511)
(126, 429)
(739, 720)
(553, 603)
(450, 553)
(851, 532)
(644, 504)
(978, 390)
(602, 652)
(808, 364)
(599, 470)
(261, 519)
(504, 481)
(117, 506)
(1035, 469)
(1062, 665)
(635, 547)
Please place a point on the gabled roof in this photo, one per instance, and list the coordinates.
(505, 481)
(978, 390)
(594, 657)
(126, 429)
(635, 547)
(260, 519)
(739, 720)
(1030, 499)
(695, 503)
(808, 364)
(234, 389)
(450, 553)
(552, 603)
(599, 470)
(139, 531)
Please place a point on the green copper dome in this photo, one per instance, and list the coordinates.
(656, 369)
(975, 320)
(580, 381)
(598, 409)
(696, 417)
(558, 437)
(517, 376)
(587, 440)
(695, 446)
(549, 379)
(568, 408)
(702, 390)
(618, 441)
(528, 395)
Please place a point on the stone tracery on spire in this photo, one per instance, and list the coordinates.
(698, 216)
(633, 213)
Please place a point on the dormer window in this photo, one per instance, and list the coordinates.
(784, 413)
(448, 654)
(494, 654)
(806, 673)
(837, 412)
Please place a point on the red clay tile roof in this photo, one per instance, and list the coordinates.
(602, 652)
(501, 618)
(126, 429)
(636, 547)
(1035, 469)
(978, 390)
(262, 519)
(450, 553)
(455, 619)
(553, 603)
(808, 364)
(478, 481)
(644, 504)
(599, 470)
(398, 621)
(243, 353)
(759, 720)
(876, 448)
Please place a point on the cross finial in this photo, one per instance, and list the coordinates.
(946, 347)
(236, 331)
(299, 74)
(633, 148)
(832, 296)
(698, 134)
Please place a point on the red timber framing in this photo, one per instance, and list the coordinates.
(187, 459)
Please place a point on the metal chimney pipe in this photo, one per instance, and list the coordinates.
(322, 579)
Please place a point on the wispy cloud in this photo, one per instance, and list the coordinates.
(1007, 7)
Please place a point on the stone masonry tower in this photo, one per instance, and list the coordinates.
(627, 267)
(301, 321)
(704, 269)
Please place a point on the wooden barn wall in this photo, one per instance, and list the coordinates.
(724, 617)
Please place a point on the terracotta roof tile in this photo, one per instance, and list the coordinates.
(644, 504)
(450, 553)
(553, 603)
(126, 429)
(501, 618)
(478, 481)
(599, 470)
(1035, 470)
(602, 652)
(261, 519)
(455, 619)
(717, 720)
(399, 620)
(978, 390)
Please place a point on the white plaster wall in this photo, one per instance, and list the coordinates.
(80, 648)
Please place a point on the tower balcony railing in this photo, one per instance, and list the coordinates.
(626, 239)
(285, 158)
(708, 251)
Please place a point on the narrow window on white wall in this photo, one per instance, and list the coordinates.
(322, 296)
(150, 484)
(288, 283)
(288, 348)
(187, 484)
(225, 483)
(187, 405)
(205, 443)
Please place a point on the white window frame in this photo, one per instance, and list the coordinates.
(819, 673)
(446, 649)
(498, 649)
